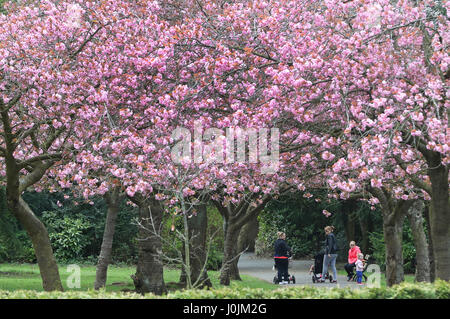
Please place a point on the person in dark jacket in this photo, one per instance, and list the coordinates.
(281, 256)
(330, 253)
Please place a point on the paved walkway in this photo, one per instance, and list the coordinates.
(261, 268)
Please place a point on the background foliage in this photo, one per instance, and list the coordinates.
(438, 290)
(76, 230)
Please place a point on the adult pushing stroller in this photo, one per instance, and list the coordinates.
(317, 267)
(291, 278)
(282, 256)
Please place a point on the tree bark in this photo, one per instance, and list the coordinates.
(394, 256)
(197, 225)
(112, 199)
(149, 271)
(248, 235)
(440, 217)
(430, 243)
(438, 173)
(15, 186)
(348, 208)
(420, 241)
(234, 269)
(394, 212)
(440, 206)
(41, 243)
(235, 216)
(229, 266)
(234, 221)
(363, 224)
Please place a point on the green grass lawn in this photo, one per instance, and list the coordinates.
(27, 277)
(408, 278)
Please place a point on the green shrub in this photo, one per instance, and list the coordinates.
(215, 256)
(438, 290)
(442, 289)
(15, 244)
(124, 248)
(409, 250)
(66, 235)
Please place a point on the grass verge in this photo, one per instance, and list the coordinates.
(26, 277)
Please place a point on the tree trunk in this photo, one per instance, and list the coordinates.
(234, 269)
(41, 243)
(197, 225)
(350, 229)
(348, 208)
(440, 217)
(245, 242)
(363, 224)
(394, 255)
(112, 199)
(438, 173)
(393, 212)
(393, 233)
(248, 235)
(430, 243)
(420, 241)
(20, 209)
(229, 268)
(235, 217)
(149, 270)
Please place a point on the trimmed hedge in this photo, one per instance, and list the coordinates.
(438, 290)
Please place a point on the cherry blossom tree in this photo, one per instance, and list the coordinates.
(380, 81)
(395, 98)
(57, 64)
(357, 90)
(47, 88)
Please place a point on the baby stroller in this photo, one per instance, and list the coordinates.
(316, 269)
(291, 278)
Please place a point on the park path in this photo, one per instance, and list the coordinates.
(261, 268)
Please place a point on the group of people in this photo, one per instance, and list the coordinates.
(355, 258)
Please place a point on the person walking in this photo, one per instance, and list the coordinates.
(330, 254)
(281, 256)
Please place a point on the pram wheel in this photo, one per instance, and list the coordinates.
(331, 278)
(275, 280)
(314, 278)
(293, 279)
